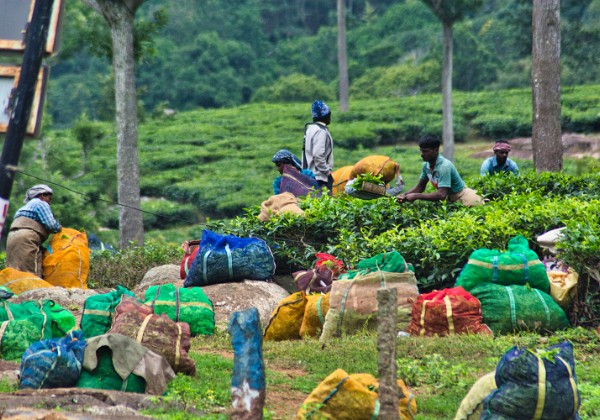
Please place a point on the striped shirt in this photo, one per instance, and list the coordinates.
(39, 211)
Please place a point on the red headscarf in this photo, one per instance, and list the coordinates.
(502, 147)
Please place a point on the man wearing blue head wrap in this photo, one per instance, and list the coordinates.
(318, 145)
(285, 157)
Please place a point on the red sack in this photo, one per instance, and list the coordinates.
(158, 333)
(445, 312)
(190, 250)
(331, 262)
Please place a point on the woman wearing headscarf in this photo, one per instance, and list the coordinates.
(32, 225)
(500, 161)
(281, 159)
(318, 145)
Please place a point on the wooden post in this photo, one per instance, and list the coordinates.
(35, 43)
(248, 380)
(387, 318)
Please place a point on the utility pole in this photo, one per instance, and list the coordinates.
(20, 107)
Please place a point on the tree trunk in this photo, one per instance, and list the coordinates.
(119, 15)
(545, 84)
(343, 56)
(448, 127)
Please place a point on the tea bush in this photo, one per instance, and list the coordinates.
(437, 238)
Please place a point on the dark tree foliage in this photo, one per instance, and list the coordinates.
(214, 53)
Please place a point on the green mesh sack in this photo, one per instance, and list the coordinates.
(189, 305)
(519, 265)
(37, 312)
(392, 262)
(512, 308)
(63, 321)
(17, 335)
(99, 309)
(106, 377)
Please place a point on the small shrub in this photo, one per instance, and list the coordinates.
(127, 268)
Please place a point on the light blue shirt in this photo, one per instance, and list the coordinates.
(443, 175)
(490, 167)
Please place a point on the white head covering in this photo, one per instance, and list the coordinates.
(37, 190)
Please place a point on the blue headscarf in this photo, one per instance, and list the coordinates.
(320, 109)
(286, 157)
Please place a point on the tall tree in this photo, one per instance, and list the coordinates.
(545, 83)
(449, 12)
(119, 14)
(343, 56)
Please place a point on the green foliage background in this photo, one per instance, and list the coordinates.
(216, 53)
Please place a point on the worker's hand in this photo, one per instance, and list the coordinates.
(406, 197)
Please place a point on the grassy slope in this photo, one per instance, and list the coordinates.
(220, 160)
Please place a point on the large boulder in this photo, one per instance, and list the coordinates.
(226, 297)
(231, 297)
(163, 274)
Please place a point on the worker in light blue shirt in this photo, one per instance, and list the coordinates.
(32, 225)
(499, 163)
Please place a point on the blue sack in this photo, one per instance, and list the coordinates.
(535, 386)
(54, 363)
(225, 259)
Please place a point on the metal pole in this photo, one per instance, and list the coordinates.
(35, 43)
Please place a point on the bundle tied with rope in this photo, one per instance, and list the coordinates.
(228, 258)
(353, 303)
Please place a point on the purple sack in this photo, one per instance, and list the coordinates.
(295, 182)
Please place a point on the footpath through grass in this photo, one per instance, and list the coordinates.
(440, 371)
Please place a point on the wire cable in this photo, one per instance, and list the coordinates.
(156, 214)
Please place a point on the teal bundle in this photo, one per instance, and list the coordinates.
(180, 304)
(519, 265)
(392, 262)
(99, 309)
(535, 386)
(512, 308)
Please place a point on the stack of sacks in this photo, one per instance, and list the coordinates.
(513, 289)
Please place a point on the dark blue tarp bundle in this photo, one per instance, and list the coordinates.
(535, 386)
(224, 259)
(54, 363)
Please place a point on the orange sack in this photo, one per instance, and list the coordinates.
(68, 265)
(340, 178)
(377, 165)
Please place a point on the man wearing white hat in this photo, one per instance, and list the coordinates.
(32, 225)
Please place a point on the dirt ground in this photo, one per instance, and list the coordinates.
(575, 145)
(79, 404)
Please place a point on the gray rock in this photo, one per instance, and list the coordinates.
(231, 297)
(163, 274)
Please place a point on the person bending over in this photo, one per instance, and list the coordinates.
(30, 228)
(443, 176)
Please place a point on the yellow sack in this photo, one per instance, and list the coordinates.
(377, 165)
(20, 281)
(563, 286)
(286, 319)
(353, 397)
(69, 263)
(317, 306)
(340, 178)
(471, 406)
